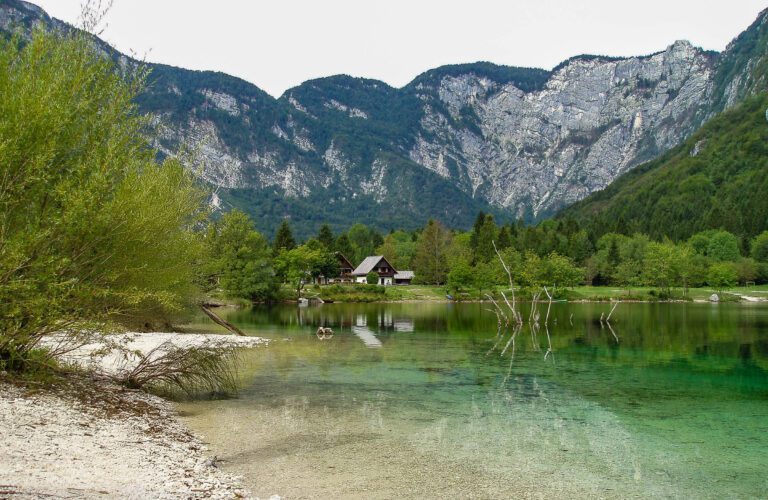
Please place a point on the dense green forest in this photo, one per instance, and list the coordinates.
(556, 254)
(717, 179)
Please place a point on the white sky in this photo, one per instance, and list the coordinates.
(277, 44)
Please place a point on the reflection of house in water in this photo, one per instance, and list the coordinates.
(361, 320)
(387, 321)
(360, 328)
(367, 336)
(403, 325)
(384, 322)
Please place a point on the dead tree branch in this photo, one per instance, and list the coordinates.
(221, 322)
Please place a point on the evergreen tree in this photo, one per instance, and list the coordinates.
(483, 244)
(344, 247)
(476, 228)
(431, 260)
(325, 236)
(283, 238)
(579, 246)
(364, 241)
(614, 257)
(504, 240)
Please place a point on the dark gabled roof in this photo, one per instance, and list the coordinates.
(367, 265)
(344, 260)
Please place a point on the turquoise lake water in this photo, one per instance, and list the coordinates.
(413, 400)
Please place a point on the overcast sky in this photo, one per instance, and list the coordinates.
(277, 44)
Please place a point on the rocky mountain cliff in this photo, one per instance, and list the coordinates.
(517, 142)
(715, 179)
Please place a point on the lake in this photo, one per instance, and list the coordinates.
(413, 400)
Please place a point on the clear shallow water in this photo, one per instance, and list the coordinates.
(410, 400)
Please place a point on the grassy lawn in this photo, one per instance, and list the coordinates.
(415, 292)
(648, 293)
(376, 293)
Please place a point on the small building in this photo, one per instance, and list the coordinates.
(345, 272)
(404, 277)
(345, 269)
(377, 264)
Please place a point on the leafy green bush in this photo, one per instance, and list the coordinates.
(93, 227)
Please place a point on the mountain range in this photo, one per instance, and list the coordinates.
(520, 143)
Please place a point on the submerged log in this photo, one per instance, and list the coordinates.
(324, 333)
(221, 322)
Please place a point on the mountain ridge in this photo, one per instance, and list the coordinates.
(516, 142)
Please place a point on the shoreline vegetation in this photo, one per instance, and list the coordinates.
(87, 435)
(97, 235)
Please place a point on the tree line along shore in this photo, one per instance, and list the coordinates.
(468, 265)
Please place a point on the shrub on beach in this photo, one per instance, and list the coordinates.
(92, 226)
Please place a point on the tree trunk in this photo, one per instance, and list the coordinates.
(222, 322)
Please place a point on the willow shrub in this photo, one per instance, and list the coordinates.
(92, 226)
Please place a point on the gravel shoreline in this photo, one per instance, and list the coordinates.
(88, 438)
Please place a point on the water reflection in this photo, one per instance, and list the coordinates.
(367, 336)
(678, 407)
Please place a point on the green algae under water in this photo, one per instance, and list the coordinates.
(412, 400)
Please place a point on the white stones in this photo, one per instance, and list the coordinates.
(53, 444)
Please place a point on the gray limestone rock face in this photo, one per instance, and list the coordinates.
(594, 120)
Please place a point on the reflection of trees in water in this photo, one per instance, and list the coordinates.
(510, 323)
(701, 332)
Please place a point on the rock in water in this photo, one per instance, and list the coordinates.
(714, 298)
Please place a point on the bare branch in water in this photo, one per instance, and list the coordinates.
(614, 333)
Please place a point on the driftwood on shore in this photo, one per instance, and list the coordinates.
(221, 322)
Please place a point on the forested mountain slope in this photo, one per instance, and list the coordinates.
(717, 179)
(516, 142)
